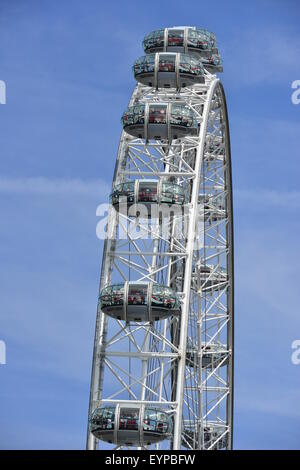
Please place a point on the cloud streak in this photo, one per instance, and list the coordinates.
(48, 186)
(260, 197)
(262, 55)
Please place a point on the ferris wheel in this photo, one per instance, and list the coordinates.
(162, 375)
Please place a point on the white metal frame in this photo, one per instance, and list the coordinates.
(146, 362)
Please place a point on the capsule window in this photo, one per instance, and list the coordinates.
(182, 116)
(128, 188)
(190, 65)
(147, 192)
(144, 64)
(105, 297)
(127, 191)
(167, 63)
(175, 37)
(185, 65)
(117, 294)
(154, 39)
(124, 190)
(137, 295)
(103, 418)
(133, 115)
(157, 114)
(198, 40)
(129, 419)
(155, 421)
(163, 297)
(209, 36)
(138, 114)
(214, 61)
(172, 193)
(113, 295)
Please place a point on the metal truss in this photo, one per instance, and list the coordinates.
(167, 363)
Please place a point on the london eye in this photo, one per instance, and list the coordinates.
(162, 374)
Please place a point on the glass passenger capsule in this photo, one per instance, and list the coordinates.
(160, 121)
(212, 355)
(214, 149)
(168, 70)
(210, 208)
(147, 192)
(130, 424)
(139, 302)
(212, 63)
(185, 39)
(215, 436)
(211, 277)
(212, 38)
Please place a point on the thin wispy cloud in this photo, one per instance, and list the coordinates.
(281, 403)
(262, 55)
(62, 186)
(259, 200)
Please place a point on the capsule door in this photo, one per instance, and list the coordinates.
(166, 71)
(175, 40)
(157, 122)
(129, 426)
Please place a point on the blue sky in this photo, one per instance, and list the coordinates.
(67, 68)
